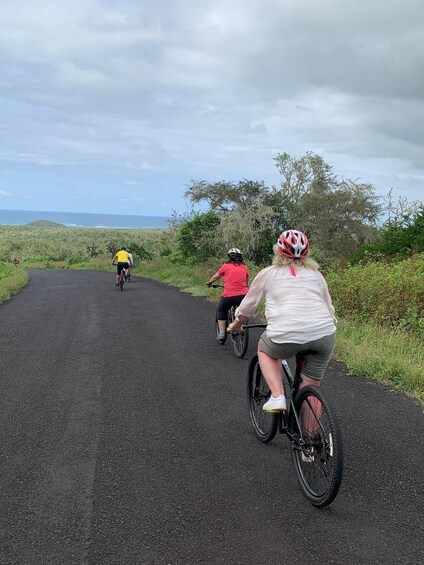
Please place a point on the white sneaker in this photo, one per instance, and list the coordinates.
(275, 404)
(307, 458)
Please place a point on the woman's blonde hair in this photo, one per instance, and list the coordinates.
(280, 261)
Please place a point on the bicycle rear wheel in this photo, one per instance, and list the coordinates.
(264, 424)
(240, 343)
(121, 283)
(317, 448)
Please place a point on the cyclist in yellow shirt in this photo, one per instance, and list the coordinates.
(121, 259)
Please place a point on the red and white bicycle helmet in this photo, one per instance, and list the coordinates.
(293, 244)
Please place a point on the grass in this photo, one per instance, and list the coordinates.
(189, 278)
(12, 280)
(391, 356)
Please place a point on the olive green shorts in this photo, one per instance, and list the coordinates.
(317, 358)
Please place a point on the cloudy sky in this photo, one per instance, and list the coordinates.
(115, 106)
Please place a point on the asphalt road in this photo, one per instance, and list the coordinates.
(125, 439)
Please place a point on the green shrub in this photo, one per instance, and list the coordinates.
(12, 279)
(138, 250)
(76, 260)
(387, 294)
(195, 237)
(402, 237)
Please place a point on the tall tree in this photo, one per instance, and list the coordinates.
(251, 214)
(223, 196)
(337, 215)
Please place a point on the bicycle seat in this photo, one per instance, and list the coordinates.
(301, 356)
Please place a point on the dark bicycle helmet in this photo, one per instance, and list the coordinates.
(123, 249)
(235, 254)
(293, 244)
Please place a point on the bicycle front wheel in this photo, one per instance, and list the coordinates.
(264, 424)
(317, 447)
(240, 343)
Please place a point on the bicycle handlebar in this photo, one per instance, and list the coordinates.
(215, 285)
(247, 327)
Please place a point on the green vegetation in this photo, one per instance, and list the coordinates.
(389, 295)
(393, 357)
(62, 247)
(401, 236)
(12, 279)
(338, 215)
(372, 254)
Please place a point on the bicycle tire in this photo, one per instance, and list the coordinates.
(240, 343)
(121, 284)
(318, 460)
(264, 424)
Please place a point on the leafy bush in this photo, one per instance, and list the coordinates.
(401, 237)
(76, 259)
(138, 250)
(405, 237)
(196, 236)
(388, 294)
(174, 257)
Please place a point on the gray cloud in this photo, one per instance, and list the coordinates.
(204, 90)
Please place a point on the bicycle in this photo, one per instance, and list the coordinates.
(128, 275)
(309, 424)
(121, 280)
(239, 340)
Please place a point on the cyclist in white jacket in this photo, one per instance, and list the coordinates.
(299, 312)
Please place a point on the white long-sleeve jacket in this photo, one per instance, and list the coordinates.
(298, 305)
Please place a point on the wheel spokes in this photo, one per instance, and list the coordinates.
(316, 451)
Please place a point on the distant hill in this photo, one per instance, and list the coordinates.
(45, 224)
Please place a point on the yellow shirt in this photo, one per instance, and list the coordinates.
(122, 256)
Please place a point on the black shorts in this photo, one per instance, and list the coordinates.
(121, 266)
(225, 304)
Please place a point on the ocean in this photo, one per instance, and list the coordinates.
(84, 220)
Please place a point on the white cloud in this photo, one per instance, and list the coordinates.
(201, 90)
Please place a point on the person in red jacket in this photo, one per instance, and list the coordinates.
(236, 276)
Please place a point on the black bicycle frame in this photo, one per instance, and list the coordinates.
(294, 384)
